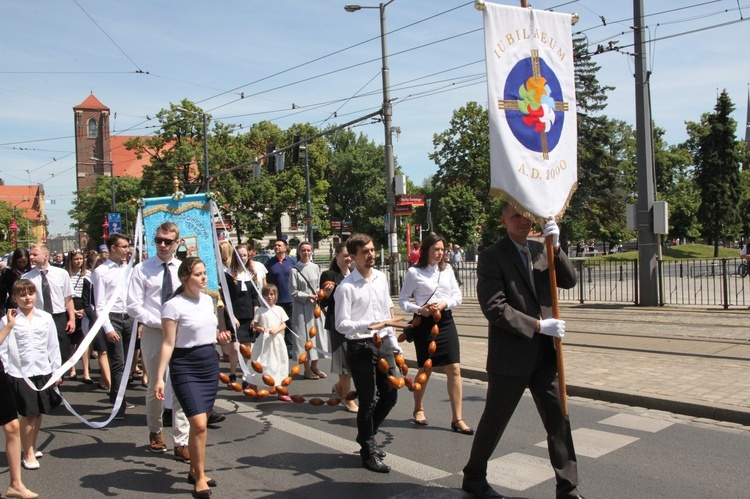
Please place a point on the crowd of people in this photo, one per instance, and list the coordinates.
(284, 309)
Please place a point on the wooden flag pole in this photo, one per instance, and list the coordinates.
(556, 314)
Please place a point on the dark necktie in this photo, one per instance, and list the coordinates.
(529, 266)
(166, 284)
(46, 296)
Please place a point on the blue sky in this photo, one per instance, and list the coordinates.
(53, 54)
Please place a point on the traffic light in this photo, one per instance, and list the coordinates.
(271, 159)
(295, 150)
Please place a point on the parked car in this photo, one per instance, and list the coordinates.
(261, 258)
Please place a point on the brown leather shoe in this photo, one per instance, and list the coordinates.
(181, 453)
(157, 442)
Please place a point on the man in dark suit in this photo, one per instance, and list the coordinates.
(521, 350)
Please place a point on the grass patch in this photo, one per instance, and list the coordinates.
(682, 252)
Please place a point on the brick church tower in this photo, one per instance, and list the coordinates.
(91, 123)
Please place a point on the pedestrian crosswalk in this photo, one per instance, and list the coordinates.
(519, 471)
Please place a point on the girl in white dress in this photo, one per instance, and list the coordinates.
(270, 349)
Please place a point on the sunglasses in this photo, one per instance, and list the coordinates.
(164, 241)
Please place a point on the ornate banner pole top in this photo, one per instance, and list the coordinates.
(479, 5)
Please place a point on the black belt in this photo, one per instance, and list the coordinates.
(361, 340)
(59, 314)
(118, 315)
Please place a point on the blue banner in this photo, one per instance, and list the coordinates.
(192, 214)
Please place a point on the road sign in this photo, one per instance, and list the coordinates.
(410, 199)
(400, 210)
(115, 225)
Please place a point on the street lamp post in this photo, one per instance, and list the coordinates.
(206, 171)
(389, 163)
(309, 218)
(14, 225)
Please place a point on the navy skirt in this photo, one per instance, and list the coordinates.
(448, 350)
(194, 373)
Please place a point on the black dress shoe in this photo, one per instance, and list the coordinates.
(215, 417)
(577, 496)
(380, 453)
(481, 490)
(202, 494)
(376, 465)
(210, 483)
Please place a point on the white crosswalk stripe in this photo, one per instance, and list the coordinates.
(635, 422)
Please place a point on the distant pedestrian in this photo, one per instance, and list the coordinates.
(76, 268)
(279, 269)
(269, 348)
(19, 264)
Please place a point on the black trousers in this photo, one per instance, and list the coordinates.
(123, 325)
(61, 320)
(503, 395)
(376, 396)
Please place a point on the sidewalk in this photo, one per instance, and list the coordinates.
(691, 361)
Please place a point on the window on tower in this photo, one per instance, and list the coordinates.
(93, 129)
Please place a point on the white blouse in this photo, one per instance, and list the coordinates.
(422, 282)
(37, 343)
(196, 320)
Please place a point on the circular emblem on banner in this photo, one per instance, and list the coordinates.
(535, 123)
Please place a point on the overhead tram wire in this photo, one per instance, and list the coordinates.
(107, 35)
(331, 54)
(630, 19)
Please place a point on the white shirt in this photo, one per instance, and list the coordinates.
(361, 303)
(105, 279)
(144, 293)
(421, 282)
(37, 343)
(60, 287)
(196, 320)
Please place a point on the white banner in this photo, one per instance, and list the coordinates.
(531, 91)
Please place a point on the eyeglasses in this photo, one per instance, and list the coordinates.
(164, 241)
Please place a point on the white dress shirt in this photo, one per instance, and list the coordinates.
(196, 320)
(105, 279)
(60, 287)
(37, 343)
(144, 293)
(361, 303)
(421, 282)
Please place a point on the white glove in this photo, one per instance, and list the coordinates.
(551, 229)
(390, 344)
(552, 327)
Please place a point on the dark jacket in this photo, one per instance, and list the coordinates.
(512, 309)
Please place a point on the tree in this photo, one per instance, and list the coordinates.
(598, 206)
(357, 182)
(458, 215)
(716, 156)
(93, 203)
(6, 235)
(462, 155)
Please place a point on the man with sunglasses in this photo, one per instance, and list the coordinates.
(117, 325)
(152, 284)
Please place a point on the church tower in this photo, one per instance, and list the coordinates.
(91, 123)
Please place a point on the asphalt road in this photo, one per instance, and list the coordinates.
(271, 449)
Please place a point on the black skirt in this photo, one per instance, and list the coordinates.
(448, 350)
(194, 373)
(8, 410)
(30, 402)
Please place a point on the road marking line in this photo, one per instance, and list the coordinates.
(595, 443)
(519, 471)
(399, 464)
(635, 422)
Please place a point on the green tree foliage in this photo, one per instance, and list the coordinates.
(597, 209)
(462, 156)
(457, 218)
(716, 155)
(6, 236)
(357, 182)
(91, 205)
